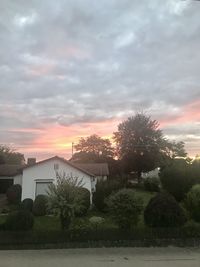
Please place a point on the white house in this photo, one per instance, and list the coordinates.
(36, 177)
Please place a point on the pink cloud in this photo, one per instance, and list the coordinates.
(189, 113)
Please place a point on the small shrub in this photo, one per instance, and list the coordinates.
(152, 184)
(82, 202)
(40, 205)
(103, 190)
(21, 220)
(27, 204)
(163, 211)
(125, 208)
(192, 202)
(14, 194)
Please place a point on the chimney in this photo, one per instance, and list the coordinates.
(31, 161)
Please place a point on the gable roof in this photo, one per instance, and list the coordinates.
(63, 160)
(98, 169)
(9, 170)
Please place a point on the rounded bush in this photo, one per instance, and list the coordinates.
(14, 194)
(82, 202)
(125, 208)
(192, 229)
(152, 184)
(21, 220)
(163, 211)
(40, 205)
(192, 202)
(177, 179)
(103, 190)
(27, 204)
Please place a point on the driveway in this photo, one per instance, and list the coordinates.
(102, 257)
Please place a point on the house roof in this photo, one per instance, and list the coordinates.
(9, 170)
(63, 160)
(98, 169)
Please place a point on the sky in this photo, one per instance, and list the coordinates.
(69, 69)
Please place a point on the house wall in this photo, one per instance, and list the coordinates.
(153, 173)
(45, 171)
(101, 178)
(18, 179)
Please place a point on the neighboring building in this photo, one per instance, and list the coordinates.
(36, 177)
(153, 173)
(100, 170)
(7, 174)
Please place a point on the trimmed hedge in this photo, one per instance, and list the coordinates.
(40, 205)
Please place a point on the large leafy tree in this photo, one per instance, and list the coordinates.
(141, 146)
(96, 145)
(95, 149)
(10, 156)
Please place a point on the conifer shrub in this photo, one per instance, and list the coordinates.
(40, 205)
(164, 211)
(27, 204)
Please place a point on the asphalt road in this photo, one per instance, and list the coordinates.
(102, 257)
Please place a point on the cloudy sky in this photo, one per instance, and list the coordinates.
(73, 68)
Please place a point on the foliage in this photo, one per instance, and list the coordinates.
(192, 202)
(27, 204)
(14, 194)
(152, 184)
(177, 178)
(19, 220)
(10, 156)
(83, 202)
(40, 205)
(125, 208)
(141, 145)
(63, 198)
(96, 220)
(163, 211)
(103, 190)
(96, 145)
(192, 229)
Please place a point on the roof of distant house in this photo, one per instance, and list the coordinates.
(98, 169)
(9, 170)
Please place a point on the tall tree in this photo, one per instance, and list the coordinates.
(141, 146)
(10, 156)
(93, 148)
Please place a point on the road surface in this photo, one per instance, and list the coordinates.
(102, 257)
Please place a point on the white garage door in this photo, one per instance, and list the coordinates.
(42, 188)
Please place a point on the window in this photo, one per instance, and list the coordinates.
(42, 187)
(56, 166)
